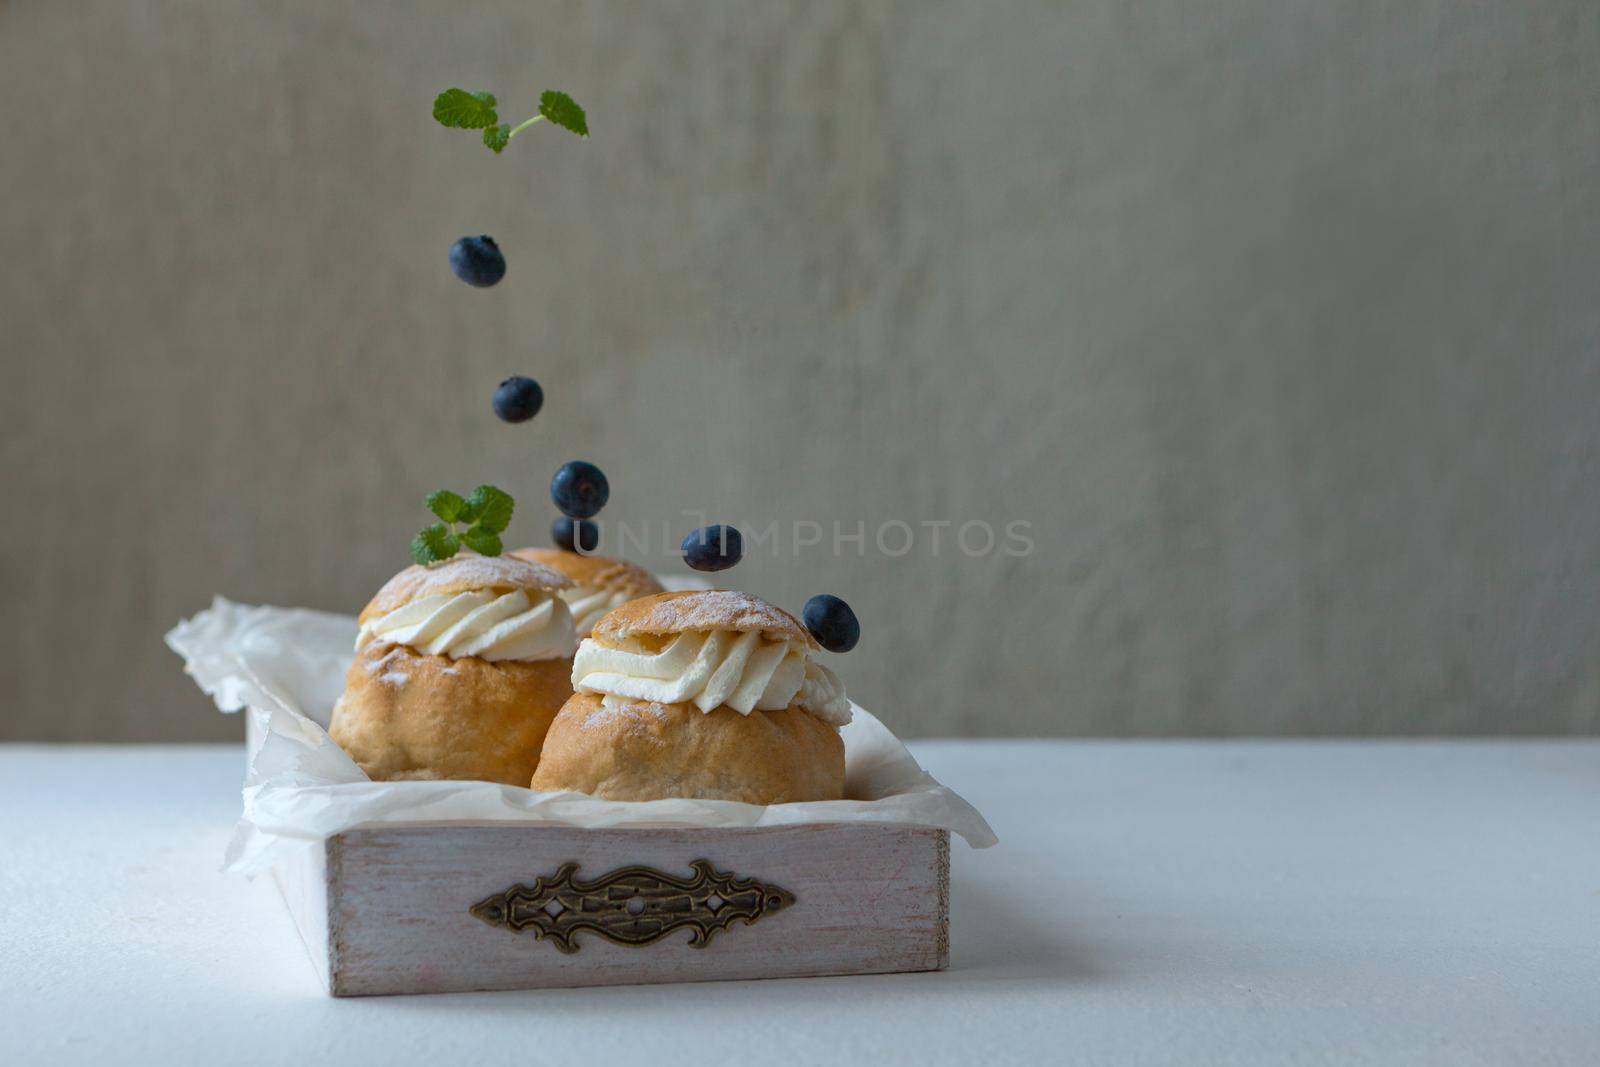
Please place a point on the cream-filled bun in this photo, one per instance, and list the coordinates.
(460, 668)
(599, 583)
(710, 695)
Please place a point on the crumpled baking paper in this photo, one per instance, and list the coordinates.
(286, 666)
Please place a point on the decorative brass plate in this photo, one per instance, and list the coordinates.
(632, 905)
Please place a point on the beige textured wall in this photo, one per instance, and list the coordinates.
(1278, 321)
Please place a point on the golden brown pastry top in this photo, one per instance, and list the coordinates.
(465, 573)
(695, 610)
(600, 572)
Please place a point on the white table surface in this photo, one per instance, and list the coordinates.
(1172, 902)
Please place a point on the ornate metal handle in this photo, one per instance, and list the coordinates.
(632, 905)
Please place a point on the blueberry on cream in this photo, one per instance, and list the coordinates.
(831, 622)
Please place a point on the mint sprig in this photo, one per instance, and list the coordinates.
(433, 544)
(475, 521)
(461, 110)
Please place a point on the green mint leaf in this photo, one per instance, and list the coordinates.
(496, 137)
(490, 508)
(433, 544)
(562, 110)
(462, 110)
(447, 505)
(482, 541)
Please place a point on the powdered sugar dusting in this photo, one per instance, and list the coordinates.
(467, 571)
(394, 678)
(627, 714)
(373, 666)
(716, 609)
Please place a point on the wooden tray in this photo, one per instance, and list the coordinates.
(443, 909)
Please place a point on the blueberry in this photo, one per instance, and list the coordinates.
(477, 261)
(518, 399)
(832, 623)
(579, 489)
(714, 548)
(575, 535)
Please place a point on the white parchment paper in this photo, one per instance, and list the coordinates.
(286, 666)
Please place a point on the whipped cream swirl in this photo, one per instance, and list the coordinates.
(591, 603)
(709, 670)
(520, 625)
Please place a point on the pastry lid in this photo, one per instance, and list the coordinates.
(695, 610)
(603, 572)
(464, 573)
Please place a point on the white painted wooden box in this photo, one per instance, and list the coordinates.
(437, 909)
(519, 890)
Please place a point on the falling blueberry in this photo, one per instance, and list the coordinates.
(575, 535)
(579, 489)
(713, 548)
(832, 623)
(518, 399)
(477, 261)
